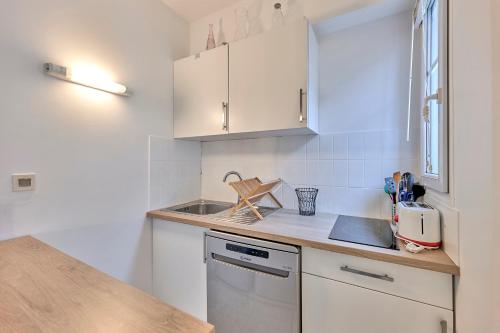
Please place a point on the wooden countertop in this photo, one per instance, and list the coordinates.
(287, 226)
(45, 290)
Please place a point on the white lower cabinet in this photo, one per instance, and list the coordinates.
(179, 270)
(339, 297)
(336, 298)
(329, 306)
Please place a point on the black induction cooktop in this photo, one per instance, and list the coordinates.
(366, 231)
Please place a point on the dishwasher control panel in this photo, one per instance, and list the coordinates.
(241, 250)
(247, 250)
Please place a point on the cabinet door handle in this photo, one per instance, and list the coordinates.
(384, 277)
(224, 116)
(301, 107)
(205, 247)
(444, 326)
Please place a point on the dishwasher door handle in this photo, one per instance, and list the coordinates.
(250, 266)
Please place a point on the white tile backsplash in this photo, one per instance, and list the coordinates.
(313, 147)
(325, 147)
(373, 174)
(346, 186)
(292, 147)
(324, 199)
(356, 146)
(373, 145)
(293, 171)
(319, 172)
(391, 145)
(356, 173)
(341, 173)
(174, 171)
(340, 146)
(289, 196)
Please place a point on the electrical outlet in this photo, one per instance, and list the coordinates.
(23, 182)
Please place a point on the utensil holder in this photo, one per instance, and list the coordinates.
(307, 200)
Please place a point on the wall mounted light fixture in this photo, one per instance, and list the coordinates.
(85, 79)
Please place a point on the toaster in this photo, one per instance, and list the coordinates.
(420, 224)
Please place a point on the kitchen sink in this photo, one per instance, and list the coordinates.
(201, 207)
(220, 211)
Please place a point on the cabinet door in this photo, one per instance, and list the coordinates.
(266, 75)
(179, 270)
(329, 306)
(200, 89)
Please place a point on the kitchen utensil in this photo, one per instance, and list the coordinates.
(307, 200)
(391, 194)
(418, 191)
(405, 196)
(419, 224)
(386, 190)
(391, 186)
(397, 179)
(252, 191)
(407, 181)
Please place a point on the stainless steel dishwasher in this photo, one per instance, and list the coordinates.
(253, 285)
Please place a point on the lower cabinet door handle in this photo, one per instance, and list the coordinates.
(384, 277)
(205, 247)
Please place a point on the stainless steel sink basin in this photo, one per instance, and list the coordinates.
(219, 211)
(201, 207)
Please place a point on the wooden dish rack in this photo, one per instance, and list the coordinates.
(253, 190)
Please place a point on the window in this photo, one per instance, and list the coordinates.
(434, 137)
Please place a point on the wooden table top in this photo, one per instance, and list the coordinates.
(287, 226)
(45, 290)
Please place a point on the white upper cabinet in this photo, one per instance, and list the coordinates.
(271, 83)
(200, 91)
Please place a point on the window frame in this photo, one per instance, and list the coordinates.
(438, 182)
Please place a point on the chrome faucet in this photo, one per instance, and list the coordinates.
(237, 174)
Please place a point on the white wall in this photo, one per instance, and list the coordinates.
(199, 28)
(88, 148)
(363, 94)
(495, 13)
(315, 10)
(472, 108)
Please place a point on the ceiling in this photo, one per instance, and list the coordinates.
(192, 10)
(368, 13)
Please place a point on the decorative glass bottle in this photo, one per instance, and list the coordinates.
(241, 23)
(254, 21)
(211, 39)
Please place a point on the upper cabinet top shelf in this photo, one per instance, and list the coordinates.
(264, 85)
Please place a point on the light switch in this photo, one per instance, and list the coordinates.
(23, 182)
